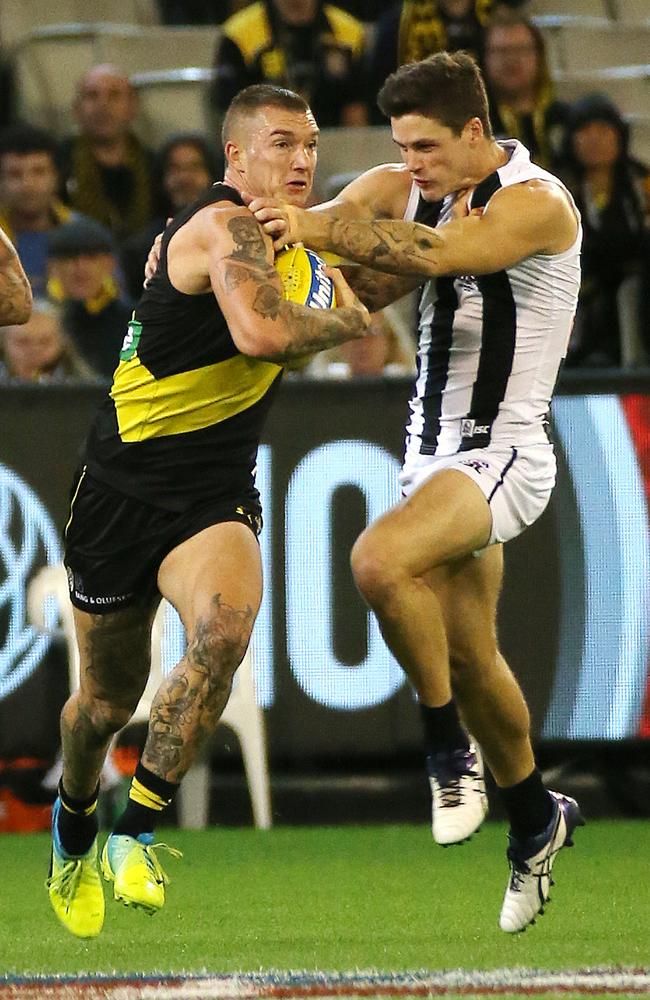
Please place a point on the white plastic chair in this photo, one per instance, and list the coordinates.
(242, 713)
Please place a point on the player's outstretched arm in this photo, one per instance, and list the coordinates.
(249, 291)
(15, 291)
(524, 219)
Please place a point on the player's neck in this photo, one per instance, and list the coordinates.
(490, 158)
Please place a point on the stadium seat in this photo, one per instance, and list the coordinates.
(242, 713)
(158, 48)
(590, 43)
(579, 8)
(174, 100)
(49, 61)
(627, 86)
(19, 18)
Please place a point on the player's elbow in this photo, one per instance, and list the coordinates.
(256, 342)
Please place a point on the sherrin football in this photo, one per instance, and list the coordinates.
(303, 277)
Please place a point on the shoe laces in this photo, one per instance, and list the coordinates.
(154, 865)
(68, 879)
(451, 794)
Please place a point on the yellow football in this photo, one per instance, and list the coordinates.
(303, 277)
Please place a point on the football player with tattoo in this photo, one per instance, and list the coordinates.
(166, 504)
(15, 291)
(494, 242)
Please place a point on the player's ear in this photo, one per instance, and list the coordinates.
(233, 154)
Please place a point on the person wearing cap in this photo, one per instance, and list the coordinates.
(29, 206)
(612, 192)
(83, 276)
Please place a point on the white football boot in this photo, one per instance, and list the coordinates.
(531, 862)
(458, 800)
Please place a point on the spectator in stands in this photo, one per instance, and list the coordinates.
(107, 171)
(310, 46)
(185, 166)
(414, 29)
(40, 351)
(612, 191)
(29, 206)
(83, 269)
(518, 80)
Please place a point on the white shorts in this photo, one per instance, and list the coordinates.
(516, 482)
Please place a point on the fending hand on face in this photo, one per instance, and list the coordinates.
(278, 219)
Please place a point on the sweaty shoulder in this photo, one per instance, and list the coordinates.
(543, 206)
(382, 192)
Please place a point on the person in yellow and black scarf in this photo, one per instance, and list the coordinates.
(414, 29)
(314, 48)
(107, 170)
(522, 100)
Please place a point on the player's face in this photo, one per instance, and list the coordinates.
(278, 156)
(437, 159)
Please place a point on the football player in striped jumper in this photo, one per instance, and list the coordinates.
(494, 242)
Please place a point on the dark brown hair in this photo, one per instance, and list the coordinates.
(260, 95)
(447, 86)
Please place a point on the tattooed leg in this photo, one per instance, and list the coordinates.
(115, 653)
(214, 580)
(190, 701)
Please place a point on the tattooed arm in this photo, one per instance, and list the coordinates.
(377, 290)
(15, 293)
(249, 292)
(534, 217)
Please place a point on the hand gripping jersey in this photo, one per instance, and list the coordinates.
(490, 346)
(185, 411)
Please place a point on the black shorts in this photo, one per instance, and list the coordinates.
(114, 544)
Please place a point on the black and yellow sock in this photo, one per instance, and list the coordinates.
(77, 822)
(148, 796)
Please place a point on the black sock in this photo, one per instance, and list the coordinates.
(77, 822)
(528, 805)
(148, 796)
(443, 731)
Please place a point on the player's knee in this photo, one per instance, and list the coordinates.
(376, 573)
(218, 650)
(106, 717)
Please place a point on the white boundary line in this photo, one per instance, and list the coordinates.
(295, 985)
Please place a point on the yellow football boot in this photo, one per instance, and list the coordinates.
(132, 866)
(75, 888)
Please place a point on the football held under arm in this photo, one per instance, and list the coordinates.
(263, 324)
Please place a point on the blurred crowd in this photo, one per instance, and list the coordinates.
(83, 210)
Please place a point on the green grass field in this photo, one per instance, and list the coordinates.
(345, 898)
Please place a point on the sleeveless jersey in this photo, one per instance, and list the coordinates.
(490, 346)
(184, 414)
